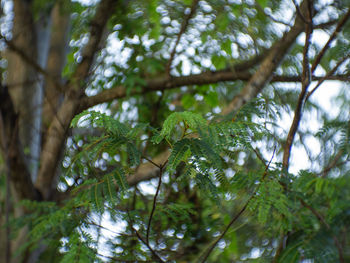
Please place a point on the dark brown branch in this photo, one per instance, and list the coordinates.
(149, 160)
(306, 80)
(272, 60)
(148, 171)
(299, 12)
(326, 24)
(330, 40)
(184, 25)
(332, 164)
(195, 79)
(154, 204)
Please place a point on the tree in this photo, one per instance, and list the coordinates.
(97, 99)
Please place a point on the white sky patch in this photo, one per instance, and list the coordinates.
(148, 188)
(256, 252)
(324, 95)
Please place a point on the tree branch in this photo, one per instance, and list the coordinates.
(147, 171)
(269, 64)
(56, 60)
(306, 80)
(154, 204)
(330, 40)
(330, 73)
(58, 128)
(155, 255)
(195, 79)
(332, 164)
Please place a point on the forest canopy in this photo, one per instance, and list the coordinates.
(174, 131)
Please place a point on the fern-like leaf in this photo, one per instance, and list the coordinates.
(133, 154)
(178, 153)
(119, 176)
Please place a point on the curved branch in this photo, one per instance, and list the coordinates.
(265, 71)
(154, 204)
(330, 40)
(195, 79)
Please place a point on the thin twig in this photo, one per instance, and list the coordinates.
(330, 73)
(299, 12)
(148, 246)
(149, 160)
(332, 164)
(206, 254)
(210, 249)
(182, 31)
(102, 227)
(258, 154)
(326, 24)
(261, 9)
(138, 235)
(330, 40)
(154, 204)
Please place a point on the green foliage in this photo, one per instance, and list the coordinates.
(191, 121)
(217, 164)
(79, 247)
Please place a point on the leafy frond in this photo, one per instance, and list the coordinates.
(78, 249)
(206, 184)
(101, 120)
(190, 121)
(178, 153)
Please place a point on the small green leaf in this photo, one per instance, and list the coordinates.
(133, 154)
(178, 152)
(119, 176)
